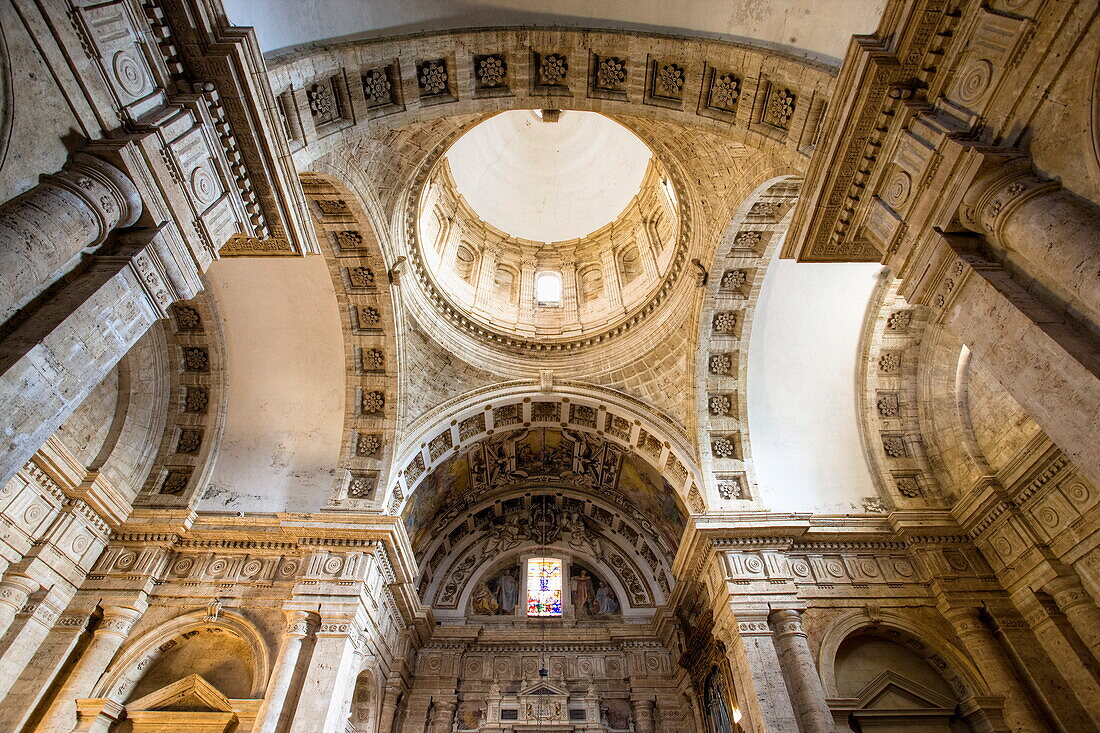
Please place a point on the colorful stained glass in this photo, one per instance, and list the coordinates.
(544, 586)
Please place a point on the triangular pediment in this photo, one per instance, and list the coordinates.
(891, 691)
(190, 694)
(543, 689)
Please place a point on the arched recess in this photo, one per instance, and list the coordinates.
(607, 532)
(138, 655)
(113, 433)
(361, 280)
(733, 282)
(944, 657)
(187, 448)
(605, 414)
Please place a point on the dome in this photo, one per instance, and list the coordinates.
(548, 181)
(547, 234)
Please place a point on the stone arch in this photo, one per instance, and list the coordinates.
(196, 410)
(951, 662)
(889, 399)
(733, 283)
(361, 279)
(627, 548)
(589, 409)
(138, 655)
(720, 92)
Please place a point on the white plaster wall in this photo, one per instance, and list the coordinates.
(801, 384)
(285, 360)
(548, 181)
(816, 28)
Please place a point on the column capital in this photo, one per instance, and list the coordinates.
(1004, 180)
(14, 590)
(1067, 593)
(786, 621)
(118, 620)
(298, 623)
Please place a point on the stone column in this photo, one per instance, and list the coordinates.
(643, 716)
(486, 278)
(1073, 601)
(443, 716)
(297, 628)
(39, 674)
(44, 228)
(761, 690)
(108, 637)
(320, 703)
(1055, 231)
(570, 298)
(1019, 713)
(1036, 356)
(648, 252)
(1048, 626)
(26, 637)
(800, 672)
(527, 294)
(14, 591)
(50, 362)
(389, 708)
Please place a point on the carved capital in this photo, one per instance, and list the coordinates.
(298, 623)
(117, 621)
(786, 622)
(107, 192)
(1001, 186)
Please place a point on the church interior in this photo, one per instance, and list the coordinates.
(427, 366)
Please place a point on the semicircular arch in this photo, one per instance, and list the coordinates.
(139, 654)
(587, 409)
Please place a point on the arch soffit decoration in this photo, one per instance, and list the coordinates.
(332, 94)
(196, 409)
(635, 555)
(615, 417)
(734, 279)
(359, 275)
(948, 660)
(138, 655)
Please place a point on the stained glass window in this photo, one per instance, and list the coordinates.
(544, 586)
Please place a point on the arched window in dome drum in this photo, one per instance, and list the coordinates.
(464, 263)
(548, 288)
(630, 264)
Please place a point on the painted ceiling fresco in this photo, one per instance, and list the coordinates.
(543, 456)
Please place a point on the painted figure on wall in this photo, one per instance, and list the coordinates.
(507, 592)
(497, 595)
(606, 603)
(616, 714)
(590, 595)
(582, 593)
(470, 714)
